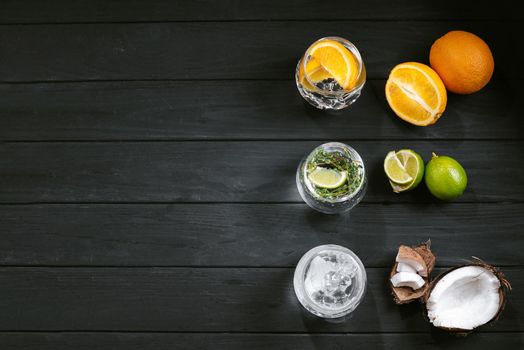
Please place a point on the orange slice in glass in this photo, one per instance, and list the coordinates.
(336, 61)
(302, 76)
(315, 72)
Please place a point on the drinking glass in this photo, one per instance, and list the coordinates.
(330, 281)
(327, 93)
(312, 195)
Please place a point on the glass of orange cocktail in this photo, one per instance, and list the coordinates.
(331, 73)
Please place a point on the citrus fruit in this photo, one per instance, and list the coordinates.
(415, 93)
(336, 62)
(463, 61)
(395, 169)
(405, 169)
(445, 178)
(328, 178)
(315, 72)
(400, 188)
(303, 79)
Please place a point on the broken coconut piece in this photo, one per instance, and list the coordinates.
(426, 254)
(407, 279)
(404, 295)
(409, 256)
(402, 267)
(466, 297)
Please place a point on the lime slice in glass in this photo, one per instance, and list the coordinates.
(327, 178)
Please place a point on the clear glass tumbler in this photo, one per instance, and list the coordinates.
(330, 281)
(340, 157)
(331, 74)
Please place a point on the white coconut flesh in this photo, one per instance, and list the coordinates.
(464, 298)
(409, 257)
(403, 267)
(407, 279)
(418, 267)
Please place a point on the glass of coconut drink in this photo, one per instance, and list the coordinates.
(330, 281)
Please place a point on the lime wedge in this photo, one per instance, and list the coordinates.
(412, 164)
(395, 170)
(327, 178)
(399, 188)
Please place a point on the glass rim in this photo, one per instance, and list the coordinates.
(303, 167)
(354, 50)
(299, 283)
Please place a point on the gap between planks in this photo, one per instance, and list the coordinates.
(66, 331)
(265, 20)
(208, 267)
(385, 203)
(166, 80)
(180, 140)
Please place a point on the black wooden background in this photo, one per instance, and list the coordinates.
(147, 160)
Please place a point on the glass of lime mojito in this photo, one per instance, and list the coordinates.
(332, 178)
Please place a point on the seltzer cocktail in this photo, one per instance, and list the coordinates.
(331, 74)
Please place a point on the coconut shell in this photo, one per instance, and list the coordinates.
(409, 253)
(505, 286)
(425, 252)
(404, 295)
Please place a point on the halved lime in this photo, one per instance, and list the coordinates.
(395, 170)
(412, 165)
(328, 178)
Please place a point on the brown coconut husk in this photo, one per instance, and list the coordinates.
(404, 295)
(505, 287)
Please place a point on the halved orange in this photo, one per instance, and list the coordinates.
(336, 61)
(416, 93)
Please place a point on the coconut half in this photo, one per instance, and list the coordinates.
(466, 297)
(419, 258)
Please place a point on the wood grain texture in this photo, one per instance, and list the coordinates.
(147, 161)
(56, 11)
(229, 110)
(252, 234)
(229, 171)
(211, 300)
(169, 341)
(225, 50)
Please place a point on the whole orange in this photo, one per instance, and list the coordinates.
(463, 61)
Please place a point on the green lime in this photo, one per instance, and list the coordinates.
(405, 169)
(445, 178)
(328, 178)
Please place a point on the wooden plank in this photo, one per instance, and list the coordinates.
(33, 11)
(252, 234)
(228, 110)
(214, 300)
(169, 341)
(228, 171)
(224, 50)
